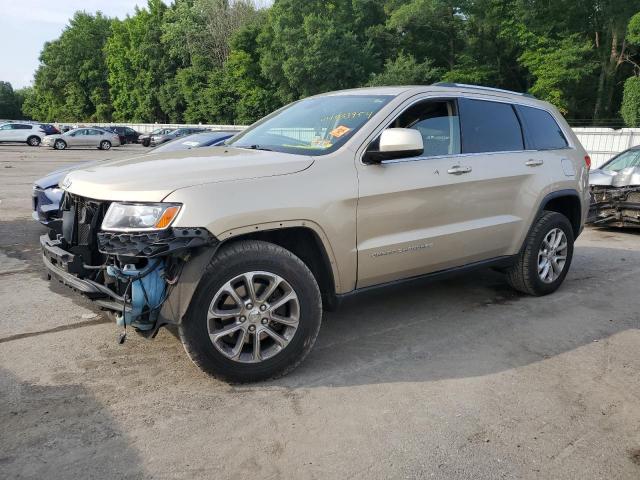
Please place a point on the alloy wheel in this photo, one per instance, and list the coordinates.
(253, 317)
(552, 255)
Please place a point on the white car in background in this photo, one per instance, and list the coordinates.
(30, 133)
(83, 137)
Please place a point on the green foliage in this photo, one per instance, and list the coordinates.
(10, 102)
(226, 61)
(557, 68)
(137, 67)
(71, 81)
(404, 70)
(631, 102)
(633, 30)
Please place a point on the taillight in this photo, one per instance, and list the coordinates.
(587, 161)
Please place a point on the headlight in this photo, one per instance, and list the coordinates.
(125, 217)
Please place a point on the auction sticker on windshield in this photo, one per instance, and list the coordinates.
(339, 131)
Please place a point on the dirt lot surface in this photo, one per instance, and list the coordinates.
(457, 379)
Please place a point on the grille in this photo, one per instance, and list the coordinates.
(81, 219)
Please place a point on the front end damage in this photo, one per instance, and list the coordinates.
(145, 278)
(615, 206)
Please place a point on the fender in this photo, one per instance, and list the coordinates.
(284, 224)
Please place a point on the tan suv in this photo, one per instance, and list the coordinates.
(243, 246)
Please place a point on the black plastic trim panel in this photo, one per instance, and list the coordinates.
(153, 244)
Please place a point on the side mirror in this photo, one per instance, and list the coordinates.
(395, 143)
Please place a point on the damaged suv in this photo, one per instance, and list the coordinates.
(615, 191)
(242, 246)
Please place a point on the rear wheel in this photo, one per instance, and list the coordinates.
(33, 141)
(255, 315)
(105, 145)
(544, 261)
(59, 145)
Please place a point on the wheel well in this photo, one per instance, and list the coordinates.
(307, 246)
(569, 206)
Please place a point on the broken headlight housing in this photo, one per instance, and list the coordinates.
(139, 217)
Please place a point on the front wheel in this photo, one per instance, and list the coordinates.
(105, 145)
(255, 315)
(544, 261)
(60, 145)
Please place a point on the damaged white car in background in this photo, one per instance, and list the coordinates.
(615, 191)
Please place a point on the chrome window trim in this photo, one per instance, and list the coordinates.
(454, 97)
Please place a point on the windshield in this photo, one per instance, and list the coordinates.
(630, 158)
(314, 126)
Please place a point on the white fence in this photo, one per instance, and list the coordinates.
(149, 127)
(601, 143)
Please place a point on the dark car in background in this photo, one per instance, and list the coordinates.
(49, 129)
(159, 139)
(47, 194)
(196, 140)
(126, 134)
(615, 191)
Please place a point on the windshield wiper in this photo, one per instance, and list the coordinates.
(255, 147)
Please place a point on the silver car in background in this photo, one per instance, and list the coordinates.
(82, 137)
(615, 191)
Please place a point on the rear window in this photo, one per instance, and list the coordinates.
(489, 127)
(541, 130)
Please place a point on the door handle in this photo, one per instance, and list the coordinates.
(458, 170)
(534, 162)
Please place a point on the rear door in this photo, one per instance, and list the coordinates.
(94, 137)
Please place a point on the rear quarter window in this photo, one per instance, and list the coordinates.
(542, 132)
(489, 127)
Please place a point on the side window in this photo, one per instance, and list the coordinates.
(489, 127)
(20, 126)
(437, 121)
(541, 130)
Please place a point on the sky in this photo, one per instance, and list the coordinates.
(26, 24)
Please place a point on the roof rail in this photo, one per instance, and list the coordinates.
(479, 87)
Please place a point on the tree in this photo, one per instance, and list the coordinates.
(9, 102)
(138, 68)
(71, 82)
(631, 97)
(315, 46)
(404, 70)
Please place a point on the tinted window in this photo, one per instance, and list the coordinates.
(541, 130)
(437, 122)
(489, 127)
(19, 126)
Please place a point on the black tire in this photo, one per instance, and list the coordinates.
(146, 142)
(59, 144)
(105, 145)
(523, 276)
(33, 141)
(231, 261)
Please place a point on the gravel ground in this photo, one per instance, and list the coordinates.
(454, 379)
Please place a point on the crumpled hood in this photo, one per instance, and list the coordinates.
(151, 177)
(624, 178)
